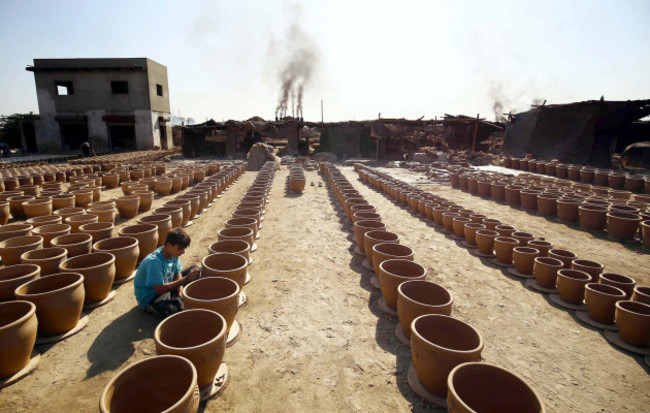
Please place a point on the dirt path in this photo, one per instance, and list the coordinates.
(314, 339)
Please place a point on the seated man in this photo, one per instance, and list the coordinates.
(159, 278)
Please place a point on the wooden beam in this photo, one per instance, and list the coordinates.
(475, 133)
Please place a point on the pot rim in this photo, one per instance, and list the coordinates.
(231, 240)
(542, 260)
(525, 250)
(75, 234)
(110, 261)
(30, 274)
(240, 268)
(236, 293)
(249, 231)
(37, 239)
(407, 262)
(590, 286)
(627, 216)
(154, 218)
(33, 260)
(187, 313)
(153, 228)
(74, 284)
(379, 245)
(479, 346)
(395, 237)
(134, 243)
(103, 226)
(31, 312)
(619, 278)
(588, 264)
(568, 273)
(622, 305)
(562, 253)
(15, 227)
(427, 282)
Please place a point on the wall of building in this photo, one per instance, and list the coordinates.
(157, 75)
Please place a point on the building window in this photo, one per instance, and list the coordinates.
(120, 87)
(159, 90)
(63, 88)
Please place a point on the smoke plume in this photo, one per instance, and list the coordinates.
(499, 100)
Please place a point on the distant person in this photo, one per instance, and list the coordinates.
(87, 149)
(6, 151)
(160, 278)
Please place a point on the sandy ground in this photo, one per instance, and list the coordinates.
(314, 339)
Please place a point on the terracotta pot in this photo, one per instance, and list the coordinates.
(419, 297)
(59, 299)
(593, 217)
(393, 272)
(633, 321)
(51, 231)
(371, 238)
(645, 234)
(68, 212)
(16, 205)
(513, 194)
(524, 259)
(503, 248)
(75, 244)
(239, 233)
(83, 197)
(5, 212)
(641, 294)
(458, 225)
(184, 204)
(600, 300)
(18, 327)
(501, 391)
(591, 267)
(571, 285)
(438, 344)
(98, 269)
(498, 191)
(505, 230)
(176, 214)
(110, 181)
(155, 384)
(128, 206)
(225, 264)
(490, 223)
(44, 220)
(387, 251)
(545, 270)
(198, 335)
(98, 230)
(568, 209)
(146, 199)
(448, 220)
(126, 252)
(11, 249)
(163, 187)
(547, 204)
(63, 201)
(619, 281)
(195, 201)
(485, 240)
(243, 223)
(37, 208)
(542, 246)
(622, 225)
(11, 277)
(529, 199)
(361, 227)
(470, 232)
(162, 221)
(75, 221)
(234, 246)
(522, 237)
(47, 259)
(565, 256)
(249, 213)
(146, 234)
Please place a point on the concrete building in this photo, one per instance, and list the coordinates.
(118, 104)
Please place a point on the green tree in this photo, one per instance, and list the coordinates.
(10, 128)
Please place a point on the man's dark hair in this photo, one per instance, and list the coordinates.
(178, 237)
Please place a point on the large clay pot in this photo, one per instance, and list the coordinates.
(243, 222)
(67, 212)
(645, 234)
(234, 246)
(393, 272)
(470, 230)
(568, 209)
(47, 259)
(176, 214)
(565, 256)
(14, 230)
(18, 327)
(16, 205)
(371, 238)
(146, 199)
(361, 227)
(37, 208)
(500, 391)
(240, 233)
(51, 231)
(633, 321)
(198, 335)
(484, 239)
(126, 252)
(163, 187)
(641, 294)
(600, 300)
(503, 248)
(155, 384)
(11, 249)
(523, 237)
(419, 297)
(11, 277)
(195, 201)
(75, 221)
(505, 230)
(218, 294)
(5, 212)
(110, 180)
(448, 220)
(98, 230)
(83, 197)
(146, 234)
(545, 270)
(128, 206)
(591, 267)
(529, 199)
(162, 221)
(249, 213)
(593, 217)
(75, 244)
(622, 225)
(438, 344)
(44, 220)
(59, 299)
(184, 204)
(225, 264)
(619, 281)
(98, 269)
(106, 215)
(63, 201)
(524, 259)
(571, 285)
(388, 251)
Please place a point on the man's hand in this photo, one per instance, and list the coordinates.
(194, 274)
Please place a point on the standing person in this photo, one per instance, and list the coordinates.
(87, 149)
(159, 279)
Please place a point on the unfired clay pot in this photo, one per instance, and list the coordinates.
(176, 214)
(505, 230)
(37, 208)
(234, 246)
(387, 251)
(542, 246)
(75, 244)
(44, 220)
(633, 321)
(47, 259)
(501, 391)
(241, 233)
(393, 272)
(438, 344)
(146, 234)
(419, 297)
(163, 187)
(14, 230)
(59, 299)
(361, 227)
(106, 215)
(67, 212)
(128, 206)
(5, 212)
(523, 237)
(219, 294)
(61, 201)
(225, 264)
(622, 225)
(545, 270)
(16, 205)
(571, 285)
(13, 276)
(503, 247)
(485, 240)
(198, 335)
(185, 204)
(162, 221)
(591, 267)
(75, 221)
(622, 282)
(600, 300)
(98, 269)
(155, 384)
(11, 249)
(146, 199)
(565, 256)
(51, 231)
(593, 217)
(371, 238)
(18, 327)
(126, 252)
(97, 230)
(641, 294)
(524, 259)
(470, 232)
(568, 209)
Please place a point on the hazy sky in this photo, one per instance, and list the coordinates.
(400, 58)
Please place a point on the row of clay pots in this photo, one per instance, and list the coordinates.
(439, 343)
(297, 179)
(554, 270)
(604, 177)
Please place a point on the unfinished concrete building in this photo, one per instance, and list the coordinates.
(117, 104)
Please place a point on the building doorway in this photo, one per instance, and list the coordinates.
(163, 133)
(73, 134)
(122, 137)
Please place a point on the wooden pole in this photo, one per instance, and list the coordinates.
(475, 133)
(321, 111)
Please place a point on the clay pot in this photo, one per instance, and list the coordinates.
(5, 212)
(361, 227)
(542, 246)
(485, 240)
(59, 299)
(75, 244)
(458, 225)
(18, 327)
(44, 220)
(503, 248)
(641, 294)
(571, 285)
(37, 208)
(565, 256)
(51, 231)
(513, 194)
(619, 281)
(83, 197)
(633, 321)
(163, 187)
(98, 230)
(622, 225)
(498, 191)
(438, 344)
(126, 252)
(501, 390)
(523, 237)
(225, 264)
(16, 205)
(162, 221)
(146, 234)
(545, 270)
(75, 221)
(547, 204)
(448, 220)
(249, 213)
(371, 238)
(470, 232)
(505, 230)
(524, 259)
(568, 209)
(110, 181)
(419, 297)
(529, 199)
(393, 272)
(243, 223)
(11, 249)
(591, 267)
(387, 251)
(128, 206)
(63, 201)
(490, 223)
(11, 277)
(234, 246)
(198, 335)
(98, 269)
(146, 199)
(155, 384)
(47, 259)
(176, 214)
(593, 217)
(600, 300)
(195, 201)
(645, 234)
(185, 205)
(68, 212)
